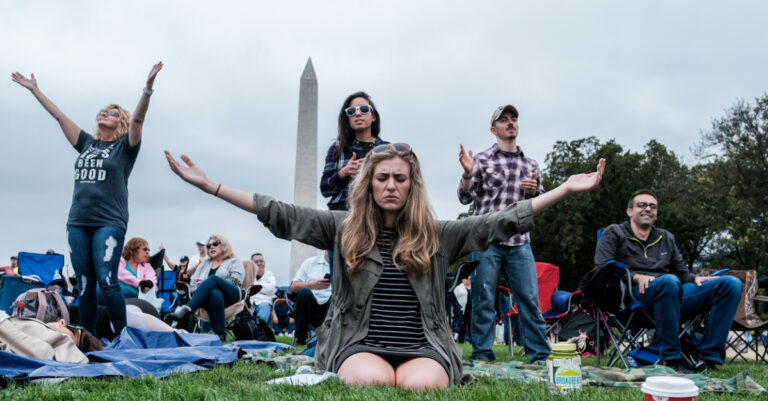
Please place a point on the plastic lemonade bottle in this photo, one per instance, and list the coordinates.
(564, 367)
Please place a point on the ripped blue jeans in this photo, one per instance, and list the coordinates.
(95, 256)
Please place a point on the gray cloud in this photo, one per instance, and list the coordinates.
(228, 96)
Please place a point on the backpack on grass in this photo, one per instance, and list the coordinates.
(249, 327)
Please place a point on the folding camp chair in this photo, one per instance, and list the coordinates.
(458, 317)
(39, 265)
(548, 277)
(633, 322)
(166, 290)
(749, 329)
(35, 271)
(241, 306)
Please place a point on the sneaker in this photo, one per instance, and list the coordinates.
(708, 366)
(181, 313)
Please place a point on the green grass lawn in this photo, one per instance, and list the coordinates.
(246, 382)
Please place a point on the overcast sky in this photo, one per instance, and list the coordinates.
(228, 94)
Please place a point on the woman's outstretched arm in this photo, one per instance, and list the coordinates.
(137, 120)
(70, 129)
(196, 176)
(575, 183)
(287, 221)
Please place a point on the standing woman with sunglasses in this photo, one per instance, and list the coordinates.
(215, 284)
(359, 127)
(98, 216)
(386, 323)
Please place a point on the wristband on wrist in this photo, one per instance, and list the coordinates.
(466, 177)
(148, 92)
(216, 194)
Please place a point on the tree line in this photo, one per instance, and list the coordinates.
(717, 207)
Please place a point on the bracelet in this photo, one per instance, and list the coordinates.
(465, 177)
(149, 92)
(216, 194)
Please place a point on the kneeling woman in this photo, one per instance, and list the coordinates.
(215, 284)
(386, 323)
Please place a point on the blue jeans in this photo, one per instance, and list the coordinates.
(519, 269)
(666, 299)
(95, 255)
(214, 294)
(264, 312)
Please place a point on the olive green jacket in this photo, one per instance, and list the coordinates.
(348, 316)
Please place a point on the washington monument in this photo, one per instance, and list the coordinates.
(305, 183)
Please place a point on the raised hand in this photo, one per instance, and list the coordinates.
(585, 182)
(352, 167)
(189, 173)
(530, 185)
(467, 161)
(152, 74)
(29, 83)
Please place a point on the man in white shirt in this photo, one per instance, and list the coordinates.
(312, 286)
(262, 301)
(195, 260)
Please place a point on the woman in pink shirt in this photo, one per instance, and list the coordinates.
(135, 272)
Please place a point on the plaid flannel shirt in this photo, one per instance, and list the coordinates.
(496, 184)
(331, 185)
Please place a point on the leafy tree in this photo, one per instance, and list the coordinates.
(566, 234)
(737, 147)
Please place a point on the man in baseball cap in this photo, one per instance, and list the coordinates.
(196, 259)
(500, 176)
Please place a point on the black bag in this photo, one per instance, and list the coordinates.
(249, 327)
(581, 324)
(603, 285)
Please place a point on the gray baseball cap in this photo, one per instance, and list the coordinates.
(500, 110)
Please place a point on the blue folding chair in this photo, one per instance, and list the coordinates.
(35, 271)
(42, 266)
(166, 290)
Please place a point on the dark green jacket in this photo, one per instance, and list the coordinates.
(348, 316)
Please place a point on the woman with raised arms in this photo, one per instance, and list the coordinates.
(386, 323)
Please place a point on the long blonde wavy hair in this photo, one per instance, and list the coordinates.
(416, 224)
(123, 122)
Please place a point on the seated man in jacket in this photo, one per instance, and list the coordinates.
(665, 285)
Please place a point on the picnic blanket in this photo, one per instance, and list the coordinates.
(137, 352)
(591, 376)
(613, 377)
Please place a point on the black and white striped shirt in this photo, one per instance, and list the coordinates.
(395, 320)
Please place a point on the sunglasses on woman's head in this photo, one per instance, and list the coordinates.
(400, 147)
(212, 244)
(365, 109)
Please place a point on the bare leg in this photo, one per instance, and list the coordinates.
(365, 368)
(421, 374)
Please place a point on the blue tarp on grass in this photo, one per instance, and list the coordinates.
(138, 352)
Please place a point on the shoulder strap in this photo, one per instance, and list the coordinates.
(61, 305)
(42, 304)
